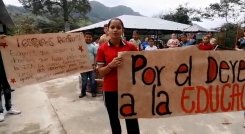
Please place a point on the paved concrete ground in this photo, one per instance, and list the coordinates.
(53, 107)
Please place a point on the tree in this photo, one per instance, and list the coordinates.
(228, 9)
(182, 14)
(231, 10)
(68, 9)
(228, 35)
(26, 25)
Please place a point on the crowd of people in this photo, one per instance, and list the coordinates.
(104, 59)
(105, 55)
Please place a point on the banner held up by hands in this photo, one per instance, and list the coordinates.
(181, 81)
(37, 58)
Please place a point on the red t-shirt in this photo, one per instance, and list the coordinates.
(203, 46)
(105, 55)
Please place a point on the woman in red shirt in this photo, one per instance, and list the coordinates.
(107, 63)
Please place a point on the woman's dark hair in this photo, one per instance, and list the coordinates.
(106, 25)
(116, 19)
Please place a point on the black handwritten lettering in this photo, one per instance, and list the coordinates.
(138, 63)
(183, 69)
(161, 108)
(241, 68)
(149, 74)
(35, 42)
(212, 70)
(223, 66)
(67, 39)
(127, 110)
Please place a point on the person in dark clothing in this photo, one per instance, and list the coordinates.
(6, 90)
(241, 41)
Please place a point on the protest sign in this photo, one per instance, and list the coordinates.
(181, 81)
(30, 59)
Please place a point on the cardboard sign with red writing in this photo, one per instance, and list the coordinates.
(36, 58)
(181, 81)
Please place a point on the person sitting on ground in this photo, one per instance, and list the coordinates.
(205, 44)
(151, 45)
(173, 42)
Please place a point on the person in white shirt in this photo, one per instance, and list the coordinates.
(136, 40)
(151, 45)
(173, 42)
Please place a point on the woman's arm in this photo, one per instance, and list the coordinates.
(103, 70)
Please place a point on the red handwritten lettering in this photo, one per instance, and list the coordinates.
(200, 99)
(185, 98)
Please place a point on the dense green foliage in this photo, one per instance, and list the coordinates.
(46, 23)
(67, 9)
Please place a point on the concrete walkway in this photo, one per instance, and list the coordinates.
(53, 107)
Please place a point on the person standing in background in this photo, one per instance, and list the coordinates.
(205, 44)
(92, 51)
(136, 40)
(105, 37)
(145, 43)
(151, 45)
(184, 41)
(173, 42)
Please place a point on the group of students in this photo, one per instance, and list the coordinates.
(107, 61)
(208, 42)
(184, 40)
(147, 45)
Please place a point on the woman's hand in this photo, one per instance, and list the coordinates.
(103, 70)
(115, 62)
